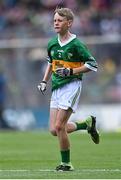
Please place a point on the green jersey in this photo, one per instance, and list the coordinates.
(72, 54)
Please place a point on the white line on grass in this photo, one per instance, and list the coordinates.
(26, 170)
(51, 170)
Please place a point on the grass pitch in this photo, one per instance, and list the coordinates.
(34, 155)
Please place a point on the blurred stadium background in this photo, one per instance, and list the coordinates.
(25, 28)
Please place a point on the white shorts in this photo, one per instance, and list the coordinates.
(67, 96)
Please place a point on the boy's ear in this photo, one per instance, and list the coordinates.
(70, 23)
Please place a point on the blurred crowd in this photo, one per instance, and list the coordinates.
(27, 17)
(34, 19)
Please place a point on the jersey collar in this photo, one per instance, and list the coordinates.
(73, 36)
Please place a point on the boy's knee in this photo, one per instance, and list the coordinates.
(53, 132)
(58, 128)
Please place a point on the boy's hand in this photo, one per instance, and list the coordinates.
(64, 72)
(42, 86)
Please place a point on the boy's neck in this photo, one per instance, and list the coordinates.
(64, 37)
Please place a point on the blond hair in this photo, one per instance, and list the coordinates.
(65, 12)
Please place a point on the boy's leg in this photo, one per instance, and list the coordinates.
(52, 122)
(60, 126)
(89, 124)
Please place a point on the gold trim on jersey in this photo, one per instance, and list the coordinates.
(60, 63)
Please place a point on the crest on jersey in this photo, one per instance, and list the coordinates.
(70, 55)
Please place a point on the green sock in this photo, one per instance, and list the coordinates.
(65, 156)
(81, 125)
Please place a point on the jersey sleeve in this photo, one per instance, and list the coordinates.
(88, 60)
(49, 59)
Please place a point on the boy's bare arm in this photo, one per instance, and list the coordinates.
(42, 85)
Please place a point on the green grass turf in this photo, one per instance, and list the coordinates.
(32, 155)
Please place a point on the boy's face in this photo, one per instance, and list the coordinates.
(61, 24)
